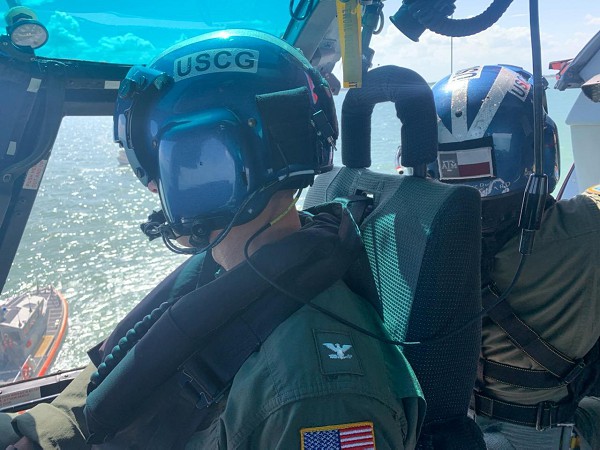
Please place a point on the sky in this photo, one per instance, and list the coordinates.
(565, 26)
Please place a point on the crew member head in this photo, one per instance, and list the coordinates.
(221, 122)
(485, 132)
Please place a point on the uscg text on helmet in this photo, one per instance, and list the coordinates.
(211, 61)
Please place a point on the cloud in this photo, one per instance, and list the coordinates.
(64, 37)
(128, 47)
(591, 20)
(430, 57)
(65, 41)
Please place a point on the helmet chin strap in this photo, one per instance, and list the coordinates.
(170, 240)
(157, 226)
(200, 242)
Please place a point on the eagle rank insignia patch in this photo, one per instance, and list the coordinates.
(348, 436)
(336, 352)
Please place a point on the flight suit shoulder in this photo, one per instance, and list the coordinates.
(321, 376)
(593, 191)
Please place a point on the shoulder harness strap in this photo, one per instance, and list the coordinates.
(580, 375)
(544, 414)
(559, 368)
(226, 335)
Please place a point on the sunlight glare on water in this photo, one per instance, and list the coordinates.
(83, 237)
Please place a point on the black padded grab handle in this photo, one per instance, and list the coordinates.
(414, 107)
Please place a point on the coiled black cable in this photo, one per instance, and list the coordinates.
(439, 23)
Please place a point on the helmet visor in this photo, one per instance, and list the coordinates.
(200, 169)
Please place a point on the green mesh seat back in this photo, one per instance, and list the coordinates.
(423, 245)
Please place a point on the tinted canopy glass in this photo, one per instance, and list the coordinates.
(135, 32)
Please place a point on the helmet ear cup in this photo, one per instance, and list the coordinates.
(309, 122)
(289, 138)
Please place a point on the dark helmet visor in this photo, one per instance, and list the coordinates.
(200, 168)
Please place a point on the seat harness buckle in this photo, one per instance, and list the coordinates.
(574, 372)
(546, 416)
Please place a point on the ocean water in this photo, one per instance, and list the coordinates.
(83, 234)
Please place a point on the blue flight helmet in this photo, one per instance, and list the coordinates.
(485, 131)
(222, 121)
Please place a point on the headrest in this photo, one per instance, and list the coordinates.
(414, 107)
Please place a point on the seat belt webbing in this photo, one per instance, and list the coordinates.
(560, 369)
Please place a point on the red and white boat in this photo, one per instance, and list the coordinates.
(32, 329)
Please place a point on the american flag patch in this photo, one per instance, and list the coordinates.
(351, 436)
(464, 164)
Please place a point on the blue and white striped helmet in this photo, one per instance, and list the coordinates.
(485, 131)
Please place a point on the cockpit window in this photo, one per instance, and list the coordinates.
(134, 32)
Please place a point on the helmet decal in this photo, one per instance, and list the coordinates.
(211, 61)
(499, 184)
(507, 82)
(466, 164)
(465, 74)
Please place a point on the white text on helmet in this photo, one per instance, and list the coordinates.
(211, 61)
(466, 74)
(520, 88)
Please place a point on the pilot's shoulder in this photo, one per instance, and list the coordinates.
(593, 190)
(593, 193)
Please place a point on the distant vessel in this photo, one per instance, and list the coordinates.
(32, 329)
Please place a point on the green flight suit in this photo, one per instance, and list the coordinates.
(557, 295)
(296, 381)
(305, 377)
